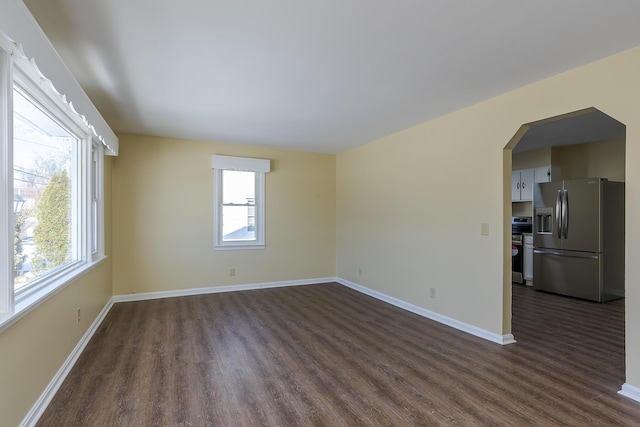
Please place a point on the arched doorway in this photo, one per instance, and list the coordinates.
(581, 144)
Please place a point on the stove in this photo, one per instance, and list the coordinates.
(521, 224)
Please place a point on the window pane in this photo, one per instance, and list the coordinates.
(238, 210)
(238, 187)
(238, 223)
(43, 183)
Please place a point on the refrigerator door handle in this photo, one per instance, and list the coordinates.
(559, 213)
(571, 254)
(565, 212)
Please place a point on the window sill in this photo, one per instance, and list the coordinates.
(238, 247)
(30, 302)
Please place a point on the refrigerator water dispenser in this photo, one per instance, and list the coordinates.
(544, 220)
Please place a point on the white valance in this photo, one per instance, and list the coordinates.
(29, 67)
(240, 164)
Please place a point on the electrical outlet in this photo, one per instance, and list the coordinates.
(232, 272)
(484, 229)
(78, 315)
(432, 292)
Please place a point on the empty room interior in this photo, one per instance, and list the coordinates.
(293, 213)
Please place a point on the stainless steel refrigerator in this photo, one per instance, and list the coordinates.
(578, 238)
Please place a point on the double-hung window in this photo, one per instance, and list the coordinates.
(52, 175)
(46, 177)
(239, 200)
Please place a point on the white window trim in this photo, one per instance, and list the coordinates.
(16, 69)
(97, 254)
(260, 167)
(6, 181)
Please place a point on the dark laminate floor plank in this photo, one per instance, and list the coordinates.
(326, 355)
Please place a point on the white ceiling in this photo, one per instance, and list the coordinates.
(321, 75)
(579, 128)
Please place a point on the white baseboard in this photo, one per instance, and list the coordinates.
(461, 326)
(630, 391)
(218, 289)
(45, 398)
(500, 339)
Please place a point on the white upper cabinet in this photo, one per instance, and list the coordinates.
(522, 185)
(547, 174)
(523, 181)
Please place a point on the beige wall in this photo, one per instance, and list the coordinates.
(409, 211)
(163, 217)
(522, 209)
(604, 159)
(409, 206)
(532, 159)
(33, 349)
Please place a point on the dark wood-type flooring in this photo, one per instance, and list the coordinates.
(326, 355)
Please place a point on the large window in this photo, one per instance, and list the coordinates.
(239, 202)
(46, 181)
(51, 166)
